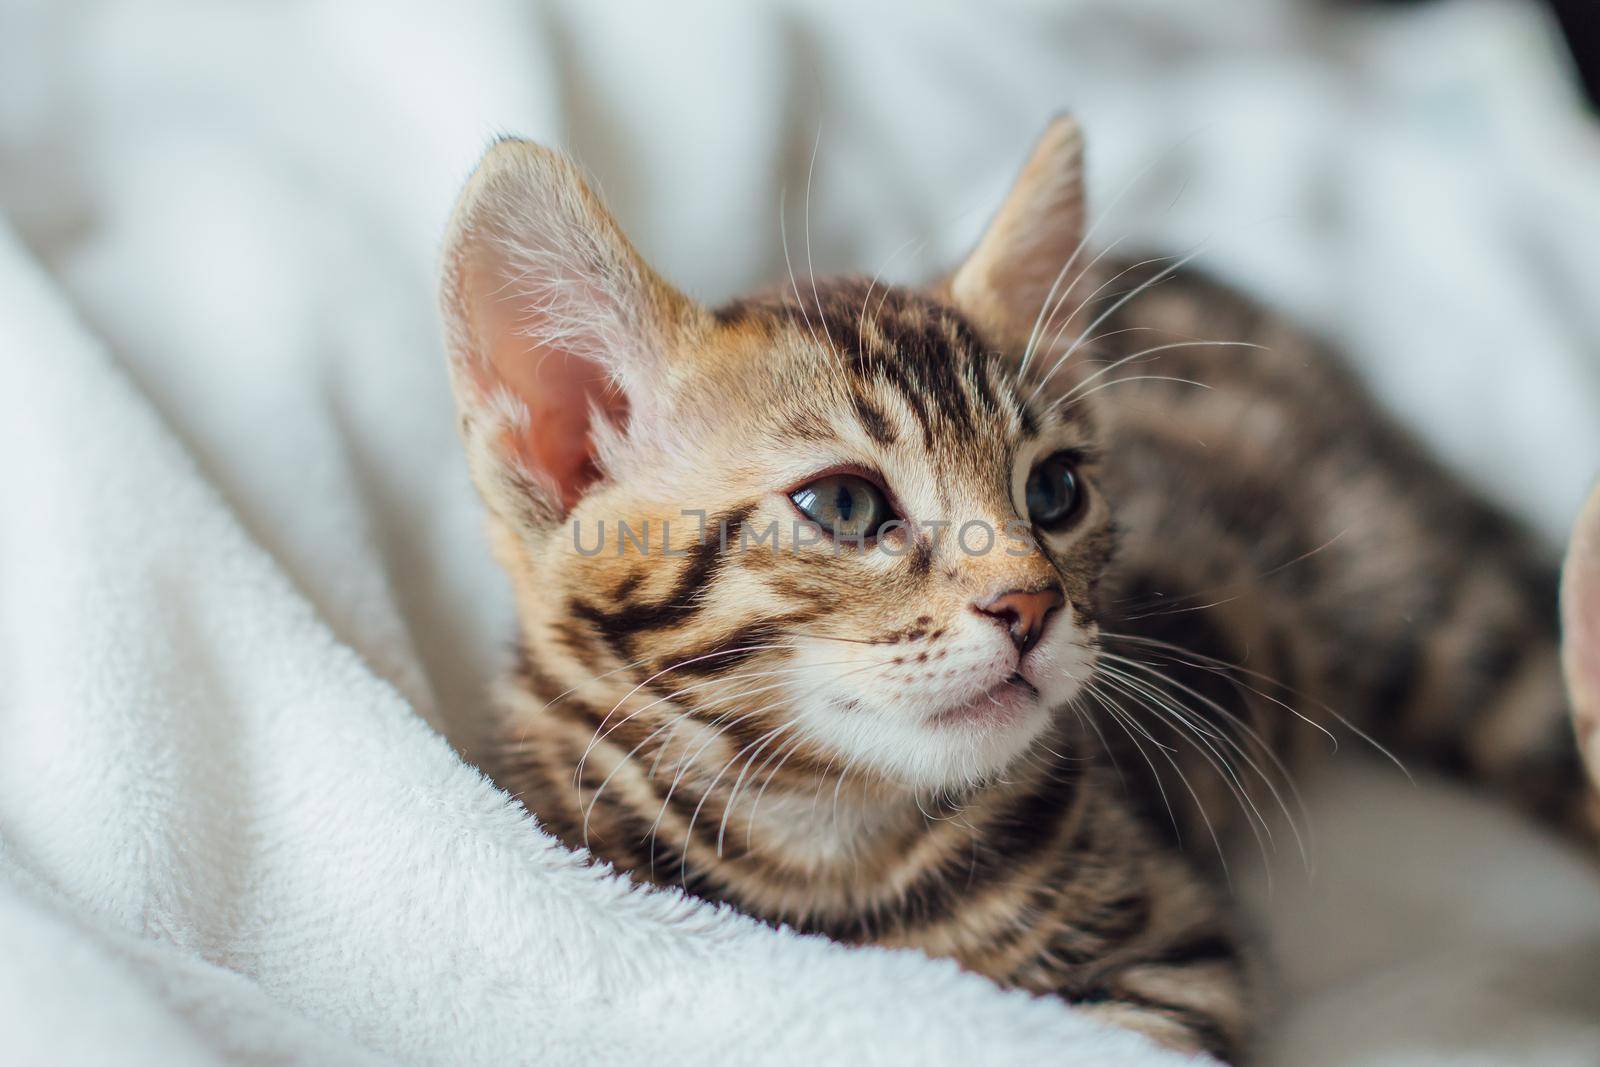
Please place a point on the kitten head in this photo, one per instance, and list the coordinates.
(843, 522)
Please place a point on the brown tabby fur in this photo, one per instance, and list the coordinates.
(1265, 562)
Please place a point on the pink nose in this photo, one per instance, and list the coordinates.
(1023, 613)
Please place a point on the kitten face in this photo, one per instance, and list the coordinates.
(878, 653)
(594, 397)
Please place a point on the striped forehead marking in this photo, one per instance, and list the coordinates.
(927, 352)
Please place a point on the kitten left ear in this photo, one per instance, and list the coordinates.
(560, 333)
(1580, 630)
(1010, 275)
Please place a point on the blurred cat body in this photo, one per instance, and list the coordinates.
(1017, 751)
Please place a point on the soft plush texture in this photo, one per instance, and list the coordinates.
(244, 595)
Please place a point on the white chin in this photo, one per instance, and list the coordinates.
(928, 755)
(975, 749)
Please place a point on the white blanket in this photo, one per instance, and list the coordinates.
(244, 594)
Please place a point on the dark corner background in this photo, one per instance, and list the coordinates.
(1580, 19)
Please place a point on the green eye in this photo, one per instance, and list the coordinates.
(848, 505)
(1053, 493)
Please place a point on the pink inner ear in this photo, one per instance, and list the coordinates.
(560, 391)
(1580, 620)
(558, 387)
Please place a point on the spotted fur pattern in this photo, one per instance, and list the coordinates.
(1264, 562)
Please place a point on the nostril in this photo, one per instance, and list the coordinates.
(1023, 613)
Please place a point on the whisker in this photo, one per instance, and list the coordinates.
(794, 742)
(1103, 214)
(861, 316)
(1087, 302)
(794, 284)
(733, 794)
(720, 725)
(1053, 304)
(1088, 719)
(1139, 378)
(1163, 274)
(677, 716)
(1122, 719)
(711, 789)
(716, 726)
(1329, 543)
(1083, 342)
(1302, 843)
(810, 269)
(1182, 722)
(1122, 722)
(1269, 680)
(674, 720)
(676, 666)
(746, 649)
(1170, 713)
(1198, 343)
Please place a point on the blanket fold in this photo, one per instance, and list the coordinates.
(245, 601)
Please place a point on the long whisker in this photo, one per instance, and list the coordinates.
(1053, 304)
(1258, 741)
(1249, 731)
(1111, 754)
(1100, 218)
(524, 739)
(861, 316)
(677, 693)
(1167, 609)
(1269, 680)
(1140, 378)
(794, 744)
(1163, 706)
(675, 718)
(712, 788)
(1123, 721)
(1170, 346)
(1167, 754)
(1116, 305)
(690, 758)
(1072, 316)
(1168, 711)
(733, 794)
(810, 269)
(687, 760)
(625, 761)
(717, 724)
(655, 826)
(668, 670)
(794, 284)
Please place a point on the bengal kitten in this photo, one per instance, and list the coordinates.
(1015, 739)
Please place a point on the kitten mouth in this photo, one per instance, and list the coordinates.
(999, 705)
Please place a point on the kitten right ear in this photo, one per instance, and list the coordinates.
(559, 332)
(1580, 630)
(1025, 259)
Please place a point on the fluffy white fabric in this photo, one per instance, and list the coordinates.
(244, 587)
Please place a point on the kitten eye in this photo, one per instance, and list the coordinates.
(1053, 495)
(848, 505)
